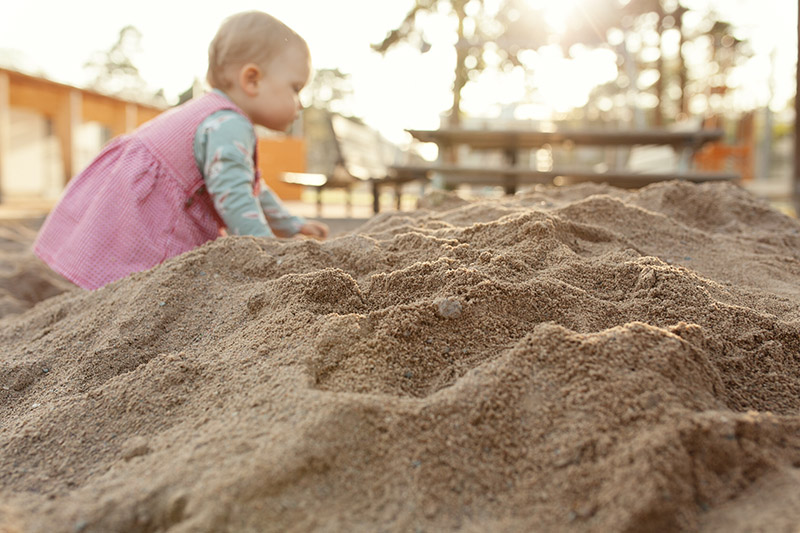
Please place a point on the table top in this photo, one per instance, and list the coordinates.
(505, 139)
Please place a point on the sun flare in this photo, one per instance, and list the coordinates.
(556, 12)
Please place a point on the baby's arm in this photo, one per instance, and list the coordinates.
(282, 223)
(223, 150)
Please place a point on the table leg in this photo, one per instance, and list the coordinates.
(684, 159)
(376, 197)
(511, 156)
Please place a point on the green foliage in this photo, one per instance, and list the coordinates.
(511, 27)
(114, 70)
(509, 31)
(330, 89)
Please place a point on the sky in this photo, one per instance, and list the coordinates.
(404, 89)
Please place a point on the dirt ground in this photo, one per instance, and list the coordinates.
(572, 359)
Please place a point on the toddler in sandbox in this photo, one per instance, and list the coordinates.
(175, 182)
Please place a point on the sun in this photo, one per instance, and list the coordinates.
(556, 12)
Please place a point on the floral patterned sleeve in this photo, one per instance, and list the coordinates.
(279, 219)
(223, 149)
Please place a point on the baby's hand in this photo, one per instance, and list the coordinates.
(315, 229)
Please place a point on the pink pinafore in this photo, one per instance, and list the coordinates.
(140, 202)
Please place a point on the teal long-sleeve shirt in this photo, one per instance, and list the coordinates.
(223, 149)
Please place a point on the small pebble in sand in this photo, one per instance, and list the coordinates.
(448, 307)
(135, 447)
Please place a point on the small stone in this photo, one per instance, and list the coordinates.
(162, 304)
(45, 370)
(585, 511)
(177, 508)
(449, 307)
(135, 447)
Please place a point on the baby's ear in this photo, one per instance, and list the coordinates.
(249, 76)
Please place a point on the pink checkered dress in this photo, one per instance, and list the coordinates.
(140, 202)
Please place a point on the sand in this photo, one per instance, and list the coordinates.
(24, 279)
(575, 359)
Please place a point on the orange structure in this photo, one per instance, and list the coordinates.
(278, 155)
(66, 107)
(737, 156)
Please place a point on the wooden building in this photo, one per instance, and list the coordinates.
(40, 125)
(50, 131)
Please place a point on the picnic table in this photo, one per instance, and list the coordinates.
(511, 142)
(346, 153)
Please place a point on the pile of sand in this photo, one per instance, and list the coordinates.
(24, 279)
(577, 359)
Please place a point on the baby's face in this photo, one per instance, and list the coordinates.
(278, 100)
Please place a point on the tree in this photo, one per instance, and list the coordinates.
(332, 90)
(724, 52)
(114, 71)
(510, 29)
(592, 21)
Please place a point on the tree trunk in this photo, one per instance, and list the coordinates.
(682, 74)
(461, 68)
(658, 117)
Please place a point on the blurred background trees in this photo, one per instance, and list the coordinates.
(673, 57)
(330, 89)
(484, 34)
(115, 73)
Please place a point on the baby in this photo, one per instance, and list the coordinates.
(178, 180)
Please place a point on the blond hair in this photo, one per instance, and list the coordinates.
(249, 37)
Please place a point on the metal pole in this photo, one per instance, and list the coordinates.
(796, 188)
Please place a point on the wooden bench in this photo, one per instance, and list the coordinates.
(512, 143)
(346, 152)
(510, 178)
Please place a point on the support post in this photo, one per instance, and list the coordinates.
(376, 197)
(131, 117)
(66, 123)
(5, 127)
(796, 181)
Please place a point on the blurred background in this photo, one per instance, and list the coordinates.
(75, 74)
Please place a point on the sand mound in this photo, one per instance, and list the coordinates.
(24, 279)
(577, 359)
